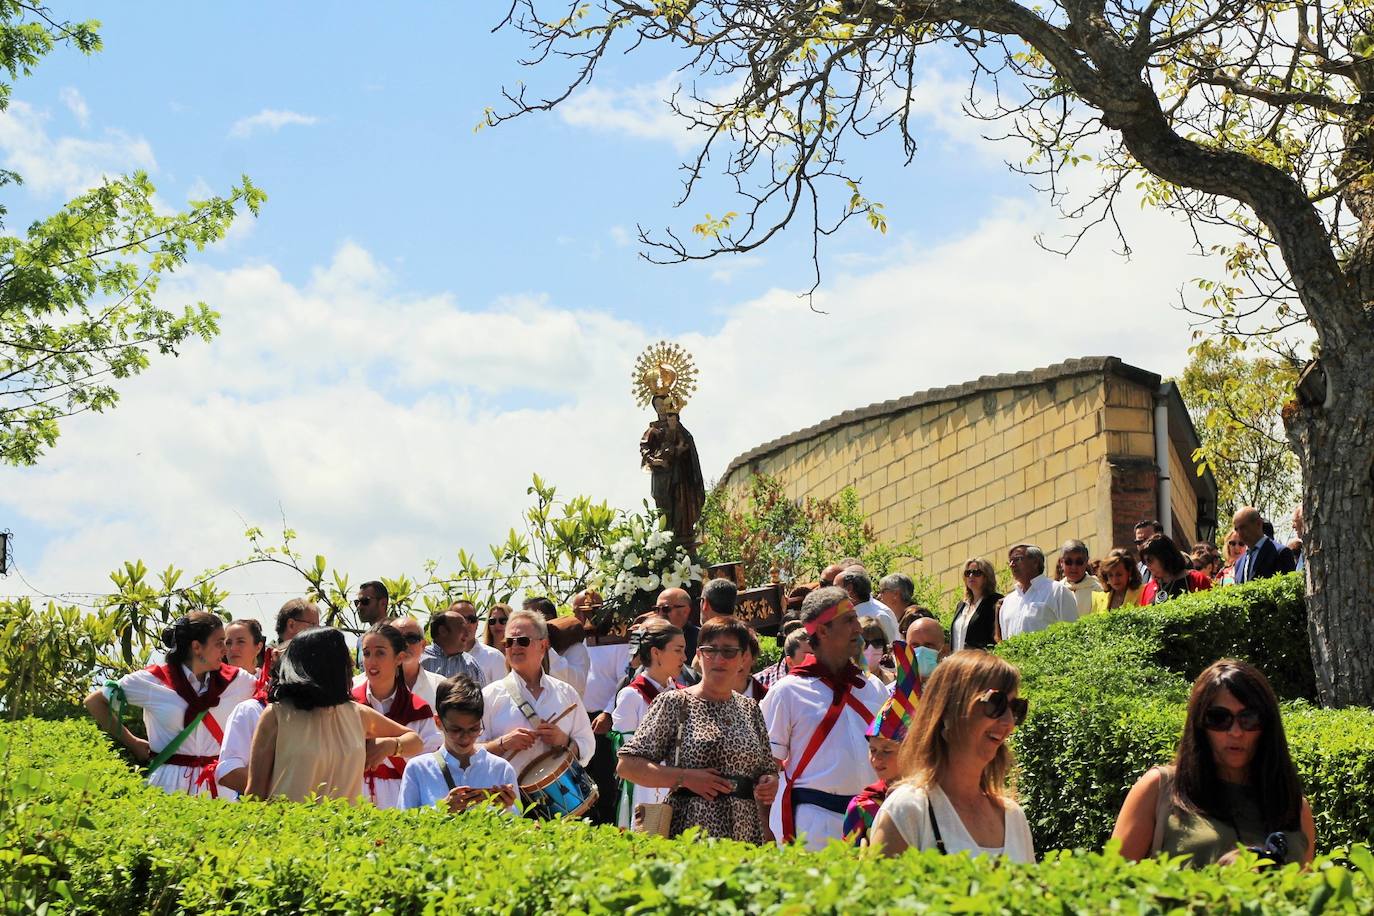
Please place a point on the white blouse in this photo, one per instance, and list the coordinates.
(907, 807)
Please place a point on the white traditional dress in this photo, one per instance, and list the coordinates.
(237, 747)
(822, 745)
(382, 783)
(171, 697)
(504, 701)
(630, 705)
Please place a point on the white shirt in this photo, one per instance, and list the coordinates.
(792, 710)
(625, 718)
(571, 666)
(875, 608)
(1083, 592)
(238, 742)
(423, 783)
(164, 714)
(959, 632)
(907, 806)
(1028, 611)
(502, 715)
(607, 668)
(491, 660)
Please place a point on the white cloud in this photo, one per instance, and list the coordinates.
(269, 119)
(71, 97)
(390, 428)
(640, 111)
(728, 266)
(66, 164)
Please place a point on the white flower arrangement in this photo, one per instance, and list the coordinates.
(645, 559)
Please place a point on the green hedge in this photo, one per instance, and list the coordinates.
(79, 831)
(1108, 696)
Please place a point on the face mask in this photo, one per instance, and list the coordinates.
(926, 659)
(872, 656)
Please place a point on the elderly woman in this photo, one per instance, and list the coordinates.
(1074, 561)
(528, 712)
(1121, 576)
(1232, 783)
(1170, 571)
(708, 745)
(973, 618)
(954, 764)
(185, 703)
(312, 738)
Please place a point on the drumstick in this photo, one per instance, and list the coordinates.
(555, 719)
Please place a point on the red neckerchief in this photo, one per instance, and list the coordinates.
(757, 688)
(647, 688)
(848, 677)
(264, 671)
(174, 677)
(405, 706)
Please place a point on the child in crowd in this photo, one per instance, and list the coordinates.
(461, 774)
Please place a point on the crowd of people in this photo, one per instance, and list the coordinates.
(875, 727)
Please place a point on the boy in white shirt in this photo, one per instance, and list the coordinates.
(461, 773)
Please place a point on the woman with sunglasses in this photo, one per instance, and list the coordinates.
(529, 712)
(488, 652)
(972, 627)
(1232, 782)
(875, 647)
(1235, 549)
(708, 746)
(385, 691)
(954, 764)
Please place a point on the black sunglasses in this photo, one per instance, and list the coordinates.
(875, 644)
(972, 572)
(725, 652)
(361, 602)
(1220, 719)
(995, 704)
(470, 618)
(521, 641)
(497, 621)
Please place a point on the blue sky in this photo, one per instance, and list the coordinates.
(424, 314)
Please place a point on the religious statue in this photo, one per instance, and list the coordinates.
(664, 378)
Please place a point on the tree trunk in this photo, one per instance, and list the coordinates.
(1334, 440)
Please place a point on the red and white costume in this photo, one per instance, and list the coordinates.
(171, 697)
(382, 783)
(630, 705)
(816, 725)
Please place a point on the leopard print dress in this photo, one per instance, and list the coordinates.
(728, 735)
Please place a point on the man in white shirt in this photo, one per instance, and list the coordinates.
(1074, 558)
(860, 588)
(1037, 601)
(817, 717)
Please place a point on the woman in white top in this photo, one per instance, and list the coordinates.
(661, 649)
(385, 691)
(954, 766)
(186, 701)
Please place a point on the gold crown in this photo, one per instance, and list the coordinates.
(664, 370)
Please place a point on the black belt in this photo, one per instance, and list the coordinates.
(744, 788)
(827, 800)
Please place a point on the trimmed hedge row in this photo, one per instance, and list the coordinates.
(1108, 697)
(78, 830)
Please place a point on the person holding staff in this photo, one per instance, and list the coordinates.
(529, 712)
(185, 702)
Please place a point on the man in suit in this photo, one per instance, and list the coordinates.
(1262, 558)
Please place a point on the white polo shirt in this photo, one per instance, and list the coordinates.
(1042, 603)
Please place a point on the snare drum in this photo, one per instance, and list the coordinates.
(555, 785)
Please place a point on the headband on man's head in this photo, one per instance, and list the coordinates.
(839, 609)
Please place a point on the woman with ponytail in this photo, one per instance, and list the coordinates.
(660, 649)
(185, 703)
(385, 691)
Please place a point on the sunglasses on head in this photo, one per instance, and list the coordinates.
(1220, 719)
(725, 652)
(521, 641)
(995, 704)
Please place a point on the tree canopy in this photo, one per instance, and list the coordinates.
(78, 290)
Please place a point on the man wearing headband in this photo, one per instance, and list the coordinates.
(817, 717)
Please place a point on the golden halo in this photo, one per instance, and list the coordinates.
(664, 369)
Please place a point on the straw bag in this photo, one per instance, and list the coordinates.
(657, 817)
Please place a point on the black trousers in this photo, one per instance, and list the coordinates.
(602, 771)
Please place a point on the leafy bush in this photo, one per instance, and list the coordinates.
(1108, 697)
(131, 849)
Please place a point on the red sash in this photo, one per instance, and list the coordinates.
(647, 688)
(405, 708)
(174, 678)
(264, 672)
(841, 684)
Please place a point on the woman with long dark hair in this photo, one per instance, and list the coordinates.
(384, 689)
(185, 702)
(310, 739)
(244, 645)
(661, 650)
(1171, 572)
(1232, 782)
